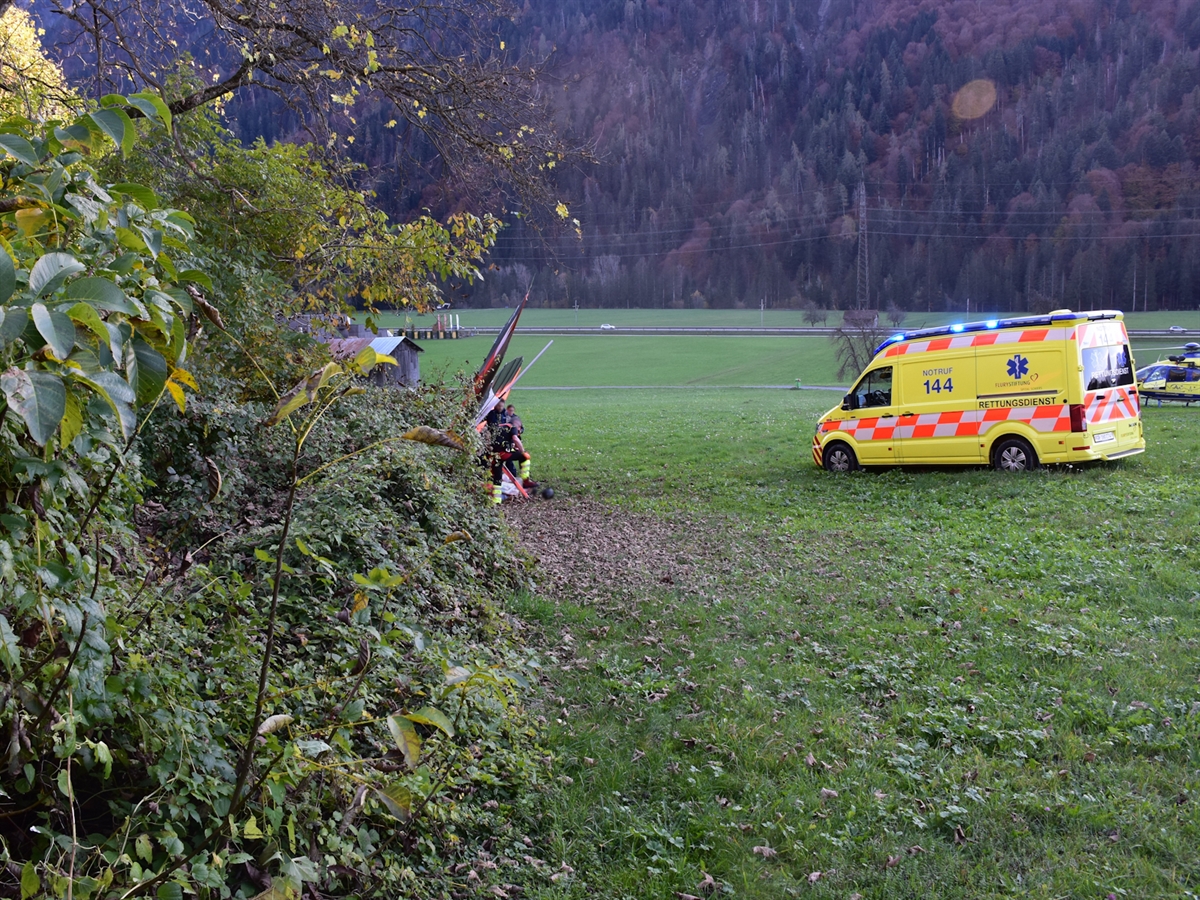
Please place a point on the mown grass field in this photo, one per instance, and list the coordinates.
(640, 360)
(607, 359)
(937, 683)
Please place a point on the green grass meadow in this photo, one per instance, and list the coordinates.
(940, 683)
(608, 359)
(645, 360)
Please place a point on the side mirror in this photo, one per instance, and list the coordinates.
(847, 402)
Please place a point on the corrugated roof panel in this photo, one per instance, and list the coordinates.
(386, 345)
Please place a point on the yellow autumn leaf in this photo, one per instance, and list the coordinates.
(177, 395)
(185, 378)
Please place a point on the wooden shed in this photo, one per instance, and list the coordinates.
(861, 318)
(403, 349)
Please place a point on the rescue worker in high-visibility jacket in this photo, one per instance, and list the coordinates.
(496, 438)
(518, 429)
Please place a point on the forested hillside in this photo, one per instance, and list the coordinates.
(731, 140)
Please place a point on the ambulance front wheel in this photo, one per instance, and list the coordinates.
(1014, 455)
(838, 457)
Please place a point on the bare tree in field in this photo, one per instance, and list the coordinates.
(855, 341)
(441, 64)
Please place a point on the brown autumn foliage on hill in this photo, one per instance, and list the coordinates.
(733, 140)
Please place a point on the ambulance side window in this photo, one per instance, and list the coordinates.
(874, 389)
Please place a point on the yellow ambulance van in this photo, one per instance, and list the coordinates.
(1011, 393)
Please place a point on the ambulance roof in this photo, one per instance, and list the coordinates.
(1058, 316)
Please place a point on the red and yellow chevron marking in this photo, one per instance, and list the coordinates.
(952, 424)
(980, 339)
(1112, 405)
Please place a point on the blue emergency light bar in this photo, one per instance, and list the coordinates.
(993, 324)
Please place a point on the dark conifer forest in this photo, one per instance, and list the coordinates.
(1014, 155)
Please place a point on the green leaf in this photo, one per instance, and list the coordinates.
(183, 222)
(118, 126)
(263, 556)
(197, 276)
(51, 271)
(56, 328)
(130, 239)
(406, 737)
(13, 322)
(432, 717)
(143, 847)
(398, 799)
(103, 756)
(15, 525)
(101, 293)
(37, 397)
(10, 651)
(116, 392)
(76, 135)
(153, 238)
(109, 100)
(151, 371)
(88, 317)
(145, 197)
(8, 276)
(172, 890)
(20, 148)
(31, 885)
(160, 107)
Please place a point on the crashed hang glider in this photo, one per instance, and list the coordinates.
(487, 371)
(502, 384)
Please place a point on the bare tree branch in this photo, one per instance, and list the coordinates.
(439, 62)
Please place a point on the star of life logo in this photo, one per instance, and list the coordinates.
(1018, 367)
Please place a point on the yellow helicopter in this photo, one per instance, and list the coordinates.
(1174, 378)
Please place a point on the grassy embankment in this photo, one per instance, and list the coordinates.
(942, 683)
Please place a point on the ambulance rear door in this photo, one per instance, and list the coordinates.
(1112, 410)
(938, 419)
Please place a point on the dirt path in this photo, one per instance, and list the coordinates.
(589, 553)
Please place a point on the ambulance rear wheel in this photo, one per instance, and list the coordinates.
(838, 457)
(1014, 455)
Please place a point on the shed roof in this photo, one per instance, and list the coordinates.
(348, 348)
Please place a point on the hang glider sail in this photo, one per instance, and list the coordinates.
(487, 371)
(503, 384)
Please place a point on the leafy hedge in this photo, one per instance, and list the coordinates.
(248, 649)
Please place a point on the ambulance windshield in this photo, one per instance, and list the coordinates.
(1107, 367)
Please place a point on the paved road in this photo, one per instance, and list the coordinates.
(738, 331)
